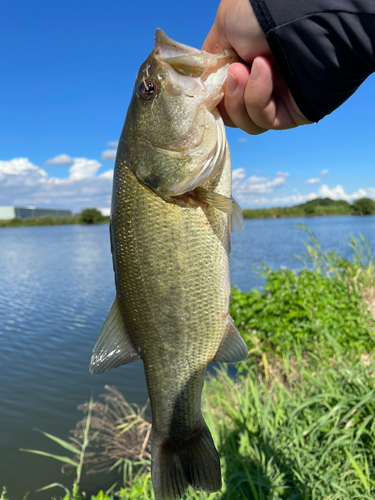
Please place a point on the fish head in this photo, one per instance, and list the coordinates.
(173, 135)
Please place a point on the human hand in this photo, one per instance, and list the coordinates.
(256, 96)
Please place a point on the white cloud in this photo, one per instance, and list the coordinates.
(313, 180)
(105, 211)
(238, 174)
(83, 168)
(316, 180)
(59, 160)
(109, 154)
(22, 183)
(112, 144)
(108, 174)
(243, 139)
(255, 184)
(20, 166)
(338, 193)
(294, 199)
(256, 191)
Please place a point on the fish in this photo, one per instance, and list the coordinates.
(171, 218)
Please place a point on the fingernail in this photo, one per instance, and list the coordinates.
(232, 82)
(255, 71)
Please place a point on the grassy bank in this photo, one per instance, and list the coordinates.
(293, 428)
(296, 427)
(298, 422)
(41, 221)
(88, 216)
(283, 212)
(316, 207)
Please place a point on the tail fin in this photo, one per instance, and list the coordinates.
(175, 466)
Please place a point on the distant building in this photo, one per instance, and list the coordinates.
(27, 212)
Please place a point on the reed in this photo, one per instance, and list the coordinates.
(119, 436)
(77, 448)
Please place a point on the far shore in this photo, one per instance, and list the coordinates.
(270, 213)
(49, 221)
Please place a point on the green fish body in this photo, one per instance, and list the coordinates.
(170, 226)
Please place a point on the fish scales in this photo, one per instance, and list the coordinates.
(173, 286)
(171, 207)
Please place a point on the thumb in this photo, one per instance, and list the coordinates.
(216, 41)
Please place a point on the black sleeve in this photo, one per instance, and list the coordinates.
(325, 49)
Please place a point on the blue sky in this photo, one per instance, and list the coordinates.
(67, 72)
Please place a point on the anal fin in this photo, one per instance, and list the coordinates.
(113, 347)
(233, 347)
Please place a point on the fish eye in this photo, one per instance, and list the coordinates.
(148, 89)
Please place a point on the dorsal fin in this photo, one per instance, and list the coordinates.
(113, 347)
(233, 347)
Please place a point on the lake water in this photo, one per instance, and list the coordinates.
(56, 289)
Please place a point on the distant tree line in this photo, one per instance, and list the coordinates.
(91, 216)
(365, 206)
(87, 216)
(318, 206)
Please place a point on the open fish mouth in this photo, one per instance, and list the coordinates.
(188, 60)
(165, 47)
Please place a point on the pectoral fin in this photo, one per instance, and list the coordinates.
(224, 204)
(233, 347)
(113, 347)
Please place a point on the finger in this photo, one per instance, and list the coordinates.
(216, 40)
(267, 99)
(258, 94)
(233, 103)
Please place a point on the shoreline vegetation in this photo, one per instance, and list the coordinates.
(87, 216)
(313, 208)
(298, 419)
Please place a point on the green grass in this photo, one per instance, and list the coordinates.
(303, 431)
(306, 430)
(305, 308)
(327, 303)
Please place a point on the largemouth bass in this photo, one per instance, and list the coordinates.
(170, 225)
